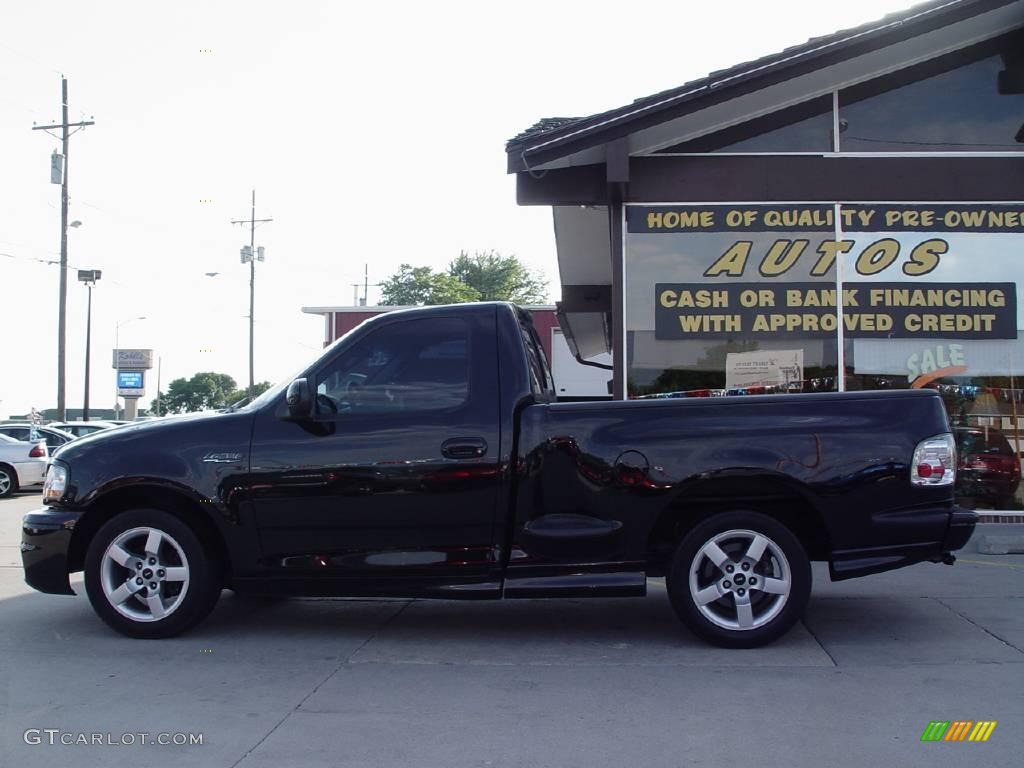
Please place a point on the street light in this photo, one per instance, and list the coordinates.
(89, 277)
(117, 356)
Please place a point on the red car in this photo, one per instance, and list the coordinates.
(988, 468)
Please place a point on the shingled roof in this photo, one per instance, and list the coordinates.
(548, 134)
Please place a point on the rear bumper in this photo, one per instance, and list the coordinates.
(45, 541)
(961, 526)
(848, 564)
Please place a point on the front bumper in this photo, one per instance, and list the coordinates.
(45, 542)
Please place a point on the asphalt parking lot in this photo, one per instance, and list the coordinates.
(615, 682)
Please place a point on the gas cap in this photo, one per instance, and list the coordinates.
(631, 468)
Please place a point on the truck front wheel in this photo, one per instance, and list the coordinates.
(739, 580)
(148, 575)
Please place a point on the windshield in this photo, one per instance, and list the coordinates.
(271, 394)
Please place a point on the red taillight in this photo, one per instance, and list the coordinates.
(934, 461)
(38, 451)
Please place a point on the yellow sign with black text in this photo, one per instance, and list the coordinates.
(870, 310)
(942, 271)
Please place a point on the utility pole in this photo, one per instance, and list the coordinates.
(356, 302)
(252, 256)
(62, 306)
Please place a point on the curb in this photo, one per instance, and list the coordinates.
(992, 537)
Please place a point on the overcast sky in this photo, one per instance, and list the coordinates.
(372, 133)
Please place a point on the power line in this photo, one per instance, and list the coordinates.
(34, 60)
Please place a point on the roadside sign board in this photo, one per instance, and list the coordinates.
(133, 380)
(133, 359)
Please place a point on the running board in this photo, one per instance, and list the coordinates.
(620, 584)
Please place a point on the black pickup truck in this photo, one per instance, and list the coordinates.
(424, 454)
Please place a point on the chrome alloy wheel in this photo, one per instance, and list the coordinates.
(5, 482)
(740, 579)
(144, 574)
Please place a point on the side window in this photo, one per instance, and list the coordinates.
(540, 378)
(403, 367)
(542, 361)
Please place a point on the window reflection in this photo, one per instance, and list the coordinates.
(806, 127)
(698, 367)
(925, 110)
(399, 368)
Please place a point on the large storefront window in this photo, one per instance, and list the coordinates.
(741, 299)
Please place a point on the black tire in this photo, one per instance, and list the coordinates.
(11, 485)
(770, 615)
(187, 601)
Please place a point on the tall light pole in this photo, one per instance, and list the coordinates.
(250, 255)
(89, 277)
(117, 355)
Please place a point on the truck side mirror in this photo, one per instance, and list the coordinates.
(300, 404)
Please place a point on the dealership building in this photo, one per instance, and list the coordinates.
(847, 214)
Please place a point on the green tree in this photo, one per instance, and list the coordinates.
(204, 391)
(499, 278)
(248, 393)
(446, 289)
(479, 277)
(258, 388)
(409, 285)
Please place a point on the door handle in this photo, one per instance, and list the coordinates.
(464, 448)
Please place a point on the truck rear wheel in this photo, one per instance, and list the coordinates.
(148, 575)
(739, 580)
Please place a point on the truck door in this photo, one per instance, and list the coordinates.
(398, 472)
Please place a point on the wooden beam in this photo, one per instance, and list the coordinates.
(617, 161)
(582, 185)
(710, 178)
(616, 193)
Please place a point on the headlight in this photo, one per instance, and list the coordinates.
(56, 482)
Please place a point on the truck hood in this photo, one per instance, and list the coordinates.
(145, 434)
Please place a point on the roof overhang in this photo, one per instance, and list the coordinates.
(740, 95)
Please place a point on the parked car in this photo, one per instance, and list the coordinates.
(988, 469)
(423, 454)
(22, 464)
(54, 438)
(81, 428)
